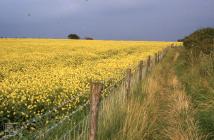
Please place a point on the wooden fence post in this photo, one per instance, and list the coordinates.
(128, 82)
(159, 55)
(140, 70)
(148, 62)
(96, 90)
(156, 58)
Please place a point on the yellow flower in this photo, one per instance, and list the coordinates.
(40, 74)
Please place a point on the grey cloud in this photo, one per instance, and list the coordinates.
(105, 19)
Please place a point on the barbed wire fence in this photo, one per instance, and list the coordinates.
(102, 107)
(83, 122)
(49, 129)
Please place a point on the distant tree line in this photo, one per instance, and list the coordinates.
(75, 36)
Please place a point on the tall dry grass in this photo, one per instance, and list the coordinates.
(181, 122)
(161, 111)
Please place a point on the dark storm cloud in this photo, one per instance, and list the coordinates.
(105, 19)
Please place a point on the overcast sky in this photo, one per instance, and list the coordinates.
(105, 19)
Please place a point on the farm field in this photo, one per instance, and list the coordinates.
(37, 75)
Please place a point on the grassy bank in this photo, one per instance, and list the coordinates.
(167, 107)
(197, 75)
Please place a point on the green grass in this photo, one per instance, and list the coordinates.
(158, 109)
(198, 78)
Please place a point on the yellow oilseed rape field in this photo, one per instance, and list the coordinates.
(37, 75)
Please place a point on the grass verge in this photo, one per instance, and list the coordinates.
(162, 110)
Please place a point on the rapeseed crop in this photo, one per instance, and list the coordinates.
(37, 75)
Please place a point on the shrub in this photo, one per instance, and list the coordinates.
(73, 36)
(89, 38)
(201, 40)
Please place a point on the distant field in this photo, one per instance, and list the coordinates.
(37, 75)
